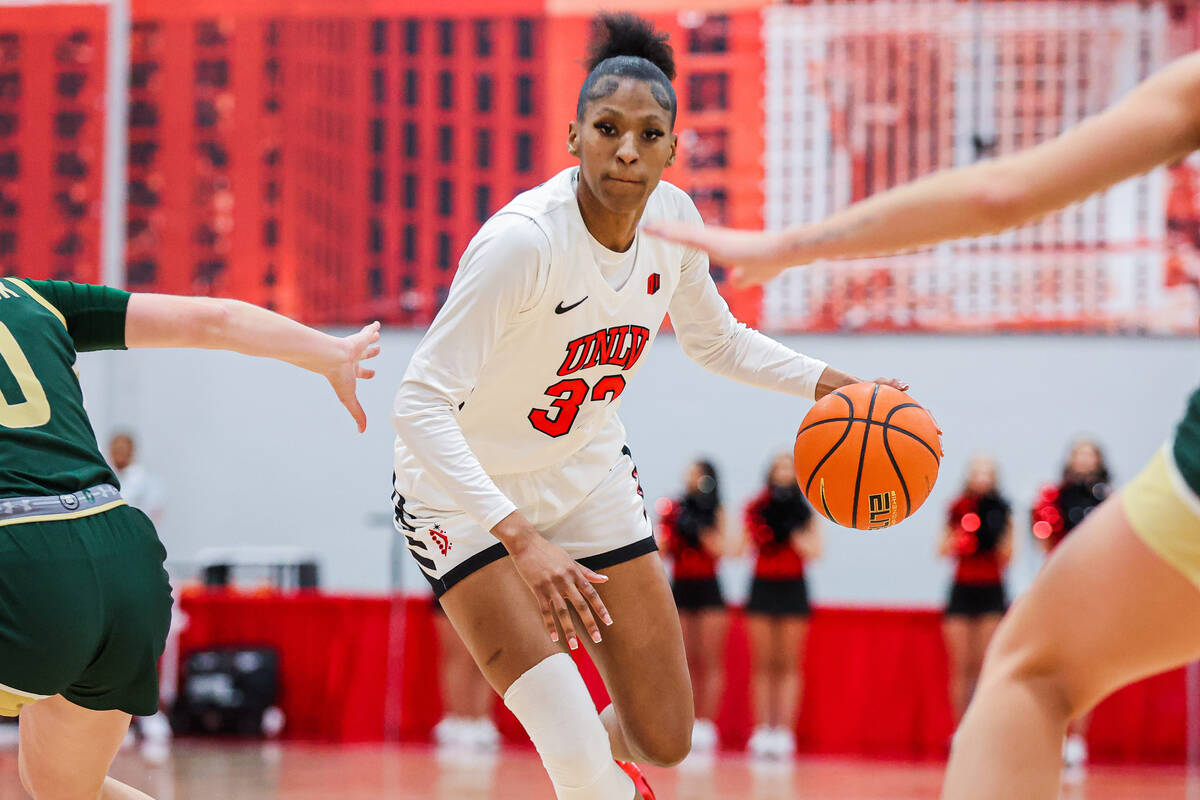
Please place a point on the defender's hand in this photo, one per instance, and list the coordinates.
(756, 256)
(343, 374)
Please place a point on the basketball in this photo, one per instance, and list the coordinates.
(867, 456)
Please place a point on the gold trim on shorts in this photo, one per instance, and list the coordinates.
(1165, 514)
(12, 699)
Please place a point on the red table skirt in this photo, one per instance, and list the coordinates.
(874, 681)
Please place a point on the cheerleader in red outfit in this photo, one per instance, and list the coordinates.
(692, 535)
(1057, 511)
(978, 537)
(782, 528)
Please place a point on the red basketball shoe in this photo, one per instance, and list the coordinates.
(639, 780)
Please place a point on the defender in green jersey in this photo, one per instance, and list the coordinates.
(84, 599)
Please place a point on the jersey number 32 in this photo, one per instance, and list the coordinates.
(571, 394)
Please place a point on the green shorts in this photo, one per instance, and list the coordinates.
(84, 611)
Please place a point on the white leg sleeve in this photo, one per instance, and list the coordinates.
(552, 702)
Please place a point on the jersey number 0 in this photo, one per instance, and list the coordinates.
(34, 410)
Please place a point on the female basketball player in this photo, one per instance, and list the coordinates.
(785, 534)
(978, 536)
(84, 599)
(692, 536)
(513, 481)
(1120, 599)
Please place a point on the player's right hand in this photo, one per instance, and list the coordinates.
(756, 256)
(896, 383)
(558, 582)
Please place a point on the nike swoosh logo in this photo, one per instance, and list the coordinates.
(561, 309)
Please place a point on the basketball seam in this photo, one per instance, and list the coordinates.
(862, 456)
(852, 418)
(887, 425)
(825, 505)
(888, 448)
(924, 443)
(832, 450)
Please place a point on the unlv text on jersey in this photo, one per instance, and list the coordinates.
(621, 346)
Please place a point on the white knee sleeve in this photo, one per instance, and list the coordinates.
(553, 704)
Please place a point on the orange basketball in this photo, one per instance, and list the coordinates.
(867, 456)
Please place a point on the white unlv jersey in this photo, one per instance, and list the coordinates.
(524, 368)
(554, 381)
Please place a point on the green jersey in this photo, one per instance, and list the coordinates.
(47, 445)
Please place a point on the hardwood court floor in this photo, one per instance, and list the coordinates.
(255, 771)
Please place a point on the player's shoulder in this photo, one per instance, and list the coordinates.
(515, 233)
(507, 243)
(509, 253)
(46, 293)
(544, 199)
(669, 203)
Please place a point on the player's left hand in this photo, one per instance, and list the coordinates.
(343, 374)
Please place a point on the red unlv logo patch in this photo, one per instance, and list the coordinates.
(653, 283)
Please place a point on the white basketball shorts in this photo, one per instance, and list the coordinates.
(608, 526)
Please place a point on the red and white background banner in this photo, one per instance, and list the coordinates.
(333, 160)
(863, 96)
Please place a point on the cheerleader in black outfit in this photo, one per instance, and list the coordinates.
(784, 532)
(692, 535)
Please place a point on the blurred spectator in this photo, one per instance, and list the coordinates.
(1085, 485)
(467, 697)
(692, 535)
(978, 536)
(143, 491)
(1057, 511)
(784, 532)
(140, 489)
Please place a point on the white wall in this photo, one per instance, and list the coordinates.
(254, 452)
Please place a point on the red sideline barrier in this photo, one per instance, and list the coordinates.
(332, 650)
(875, 680)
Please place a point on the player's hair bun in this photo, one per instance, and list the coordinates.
(629, 35)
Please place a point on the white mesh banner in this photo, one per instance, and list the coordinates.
(864, 96)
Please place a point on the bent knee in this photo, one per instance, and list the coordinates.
(666, 747)
(1039, 669)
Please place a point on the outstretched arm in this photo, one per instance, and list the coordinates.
(160, 320)
(1157, 122)
(712, 337)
